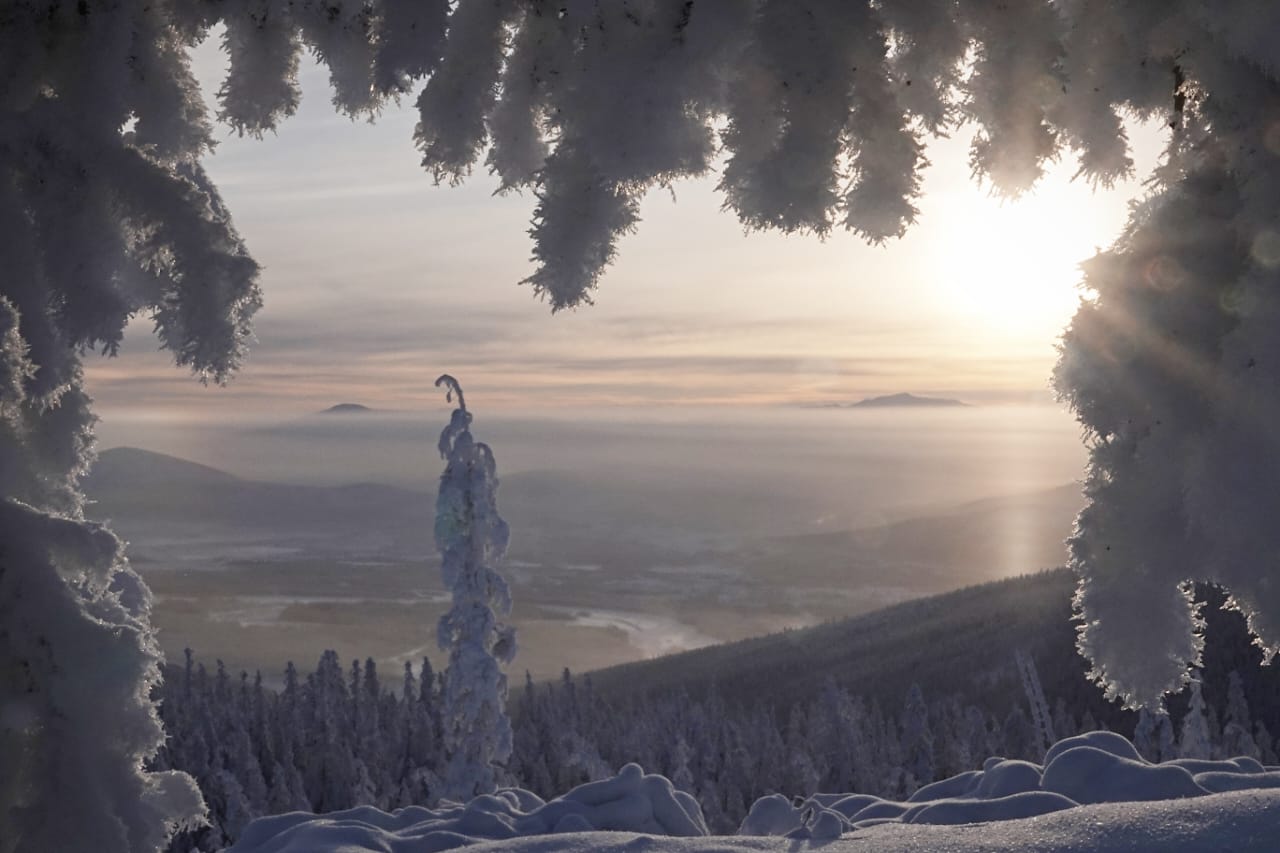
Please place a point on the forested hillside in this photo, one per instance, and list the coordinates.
(958, 644)
(878, 704)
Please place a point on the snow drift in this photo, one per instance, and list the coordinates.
(1098, 769)
(630, 801)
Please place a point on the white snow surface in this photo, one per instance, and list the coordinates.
(1240, 822)
(1133, 805)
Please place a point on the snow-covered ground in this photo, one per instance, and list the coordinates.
(1237, 822)
(1093, 793)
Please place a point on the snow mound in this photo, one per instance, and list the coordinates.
(1007, 778)
(849, 805)
(1111, 742)
(1242, 822)
(957, 786)
(879, 810)
(1097, 767)
(1087, 774)
(629, 802)
(1079, 773)
(1011, 807)
(771, 815)
(1217, 782)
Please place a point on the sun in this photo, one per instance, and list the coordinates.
(1011, 267)
(1014, 269)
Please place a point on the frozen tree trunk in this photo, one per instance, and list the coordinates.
(472, 538)
(1041, 720)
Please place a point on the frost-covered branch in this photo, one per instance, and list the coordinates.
(1173, 367)
(819, 107)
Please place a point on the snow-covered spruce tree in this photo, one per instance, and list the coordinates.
(472, 540)
(1172, 363)
(1145, 732)
(1195, 741)
(917, 741)
(105, 213)
(1237, 731)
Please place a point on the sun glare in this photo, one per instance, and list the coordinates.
(1011, 267)
(1014, 267)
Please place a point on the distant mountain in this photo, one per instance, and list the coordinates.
(136, 469)
(905, 400)
(138, 489)
(347, 409)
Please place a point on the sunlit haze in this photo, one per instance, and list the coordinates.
(376, 281)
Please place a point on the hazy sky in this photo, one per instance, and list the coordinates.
(376, 281)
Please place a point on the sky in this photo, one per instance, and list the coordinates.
(376, 281)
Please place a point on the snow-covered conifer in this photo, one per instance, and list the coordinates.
(679, 765)
(978, 731)
(1064, 723)
(1167, 746)
(1266, 745)
(243, 764)
(917, 740)
(332, 772)
(1237, 732)
(1018, 736)
(952, 747)
(1145, 734)
(1170, 364)
(106, 214)
(77, 664)
(1194, 741)
(287, 793)
(472, 539)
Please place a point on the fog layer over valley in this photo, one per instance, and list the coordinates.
(631, 538)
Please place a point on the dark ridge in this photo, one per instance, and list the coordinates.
(957, 644)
